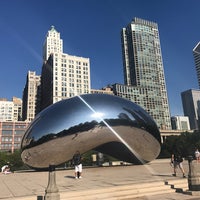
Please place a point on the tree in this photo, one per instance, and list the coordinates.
(13, 160)
(186, 144)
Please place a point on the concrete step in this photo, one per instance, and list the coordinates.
(119, 192)
(177, 180)
(180, 185)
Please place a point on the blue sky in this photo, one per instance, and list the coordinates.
(91, 28)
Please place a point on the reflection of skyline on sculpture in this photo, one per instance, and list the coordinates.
(109, 122)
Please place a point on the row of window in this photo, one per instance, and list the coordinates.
(10, 139)
(10, 132)
(16, 126)
(9, 146)
(71, 62)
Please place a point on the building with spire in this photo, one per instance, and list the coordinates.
(52, 44)
(63, 75)
(143, 70)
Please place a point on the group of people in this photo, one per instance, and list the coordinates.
(177, 162)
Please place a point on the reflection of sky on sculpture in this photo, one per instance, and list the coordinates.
(61, 117)
(98, 113)
(71, 112)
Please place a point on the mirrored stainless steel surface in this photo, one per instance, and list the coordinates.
(106, 123)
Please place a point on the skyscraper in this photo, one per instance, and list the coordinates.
(17, 108)
(191, 107)
(196, 54)
(143, 70)
(63, 75)
(31, 96)
(52, 44)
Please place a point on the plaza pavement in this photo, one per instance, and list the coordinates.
(113, 183)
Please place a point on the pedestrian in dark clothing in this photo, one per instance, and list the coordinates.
(76, 160)
(177, 161)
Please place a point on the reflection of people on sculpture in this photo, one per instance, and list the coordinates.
(5, 169)
(76, 160)
(177, 161)
(197, 155)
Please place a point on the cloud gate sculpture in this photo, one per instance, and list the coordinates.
(106, 123)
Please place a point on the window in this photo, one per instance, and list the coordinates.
(20, 126)
(6, 132)
(19, 132)
(6, 126)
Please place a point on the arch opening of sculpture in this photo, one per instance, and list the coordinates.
(106, 123)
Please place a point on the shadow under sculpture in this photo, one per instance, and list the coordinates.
(106, 123)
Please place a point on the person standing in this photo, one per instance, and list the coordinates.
(77, 164)
(177, 161)
(197, 155)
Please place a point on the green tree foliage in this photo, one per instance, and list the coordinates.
(186, 144)
(13, 160)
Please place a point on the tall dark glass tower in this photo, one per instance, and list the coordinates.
(191, 107)
(143, 70)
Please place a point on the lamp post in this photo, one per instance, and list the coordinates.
(193, 175)
(52, 192)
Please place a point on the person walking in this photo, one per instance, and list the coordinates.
(76, 160)
(177, 161)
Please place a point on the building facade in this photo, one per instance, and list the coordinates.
(52, 44)
(191, 107)
(63, 75)
(180, 123)
(31, 96)
(143, 70)
(196, 54)
(10, 110)
(17, 108)
(11, 134)
(104, 90)
(6, 110)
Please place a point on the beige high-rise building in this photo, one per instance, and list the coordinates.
(52, 44)
(63, 75)
(17, 108)
(31, 96)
